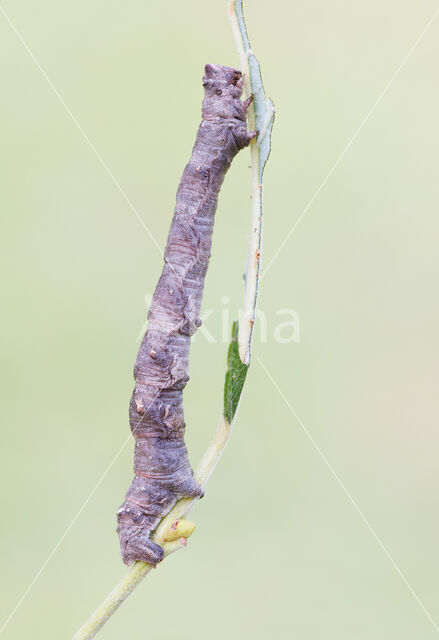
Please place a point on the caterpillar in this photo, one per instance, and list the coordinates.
(161, 466)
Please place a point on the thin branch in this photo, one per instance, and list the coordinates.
(261, 117)
(173, 530)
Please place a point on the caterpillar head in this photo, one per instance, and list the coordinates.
(222, 82)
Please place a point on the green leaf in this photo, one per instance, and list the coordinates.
(235, 377)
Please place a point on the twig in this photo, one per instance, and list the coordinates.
(261, 117)
(173, 530)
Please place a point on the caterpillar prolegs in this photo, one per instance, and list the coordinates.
(162, 470)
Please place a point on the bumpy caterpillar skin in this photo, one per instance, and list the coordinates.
(162, 470)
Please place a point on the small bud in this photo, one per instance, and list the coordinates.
(179, 529)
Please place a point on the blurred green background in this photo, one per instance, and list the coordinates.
(279, 550)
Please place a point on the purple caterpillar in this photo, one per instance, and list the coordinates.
(161, 466)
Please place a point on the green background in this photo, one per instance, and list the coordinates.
(279, 550)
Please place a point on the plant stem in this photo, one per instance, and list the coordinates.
(254, 247)
(261, 115)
